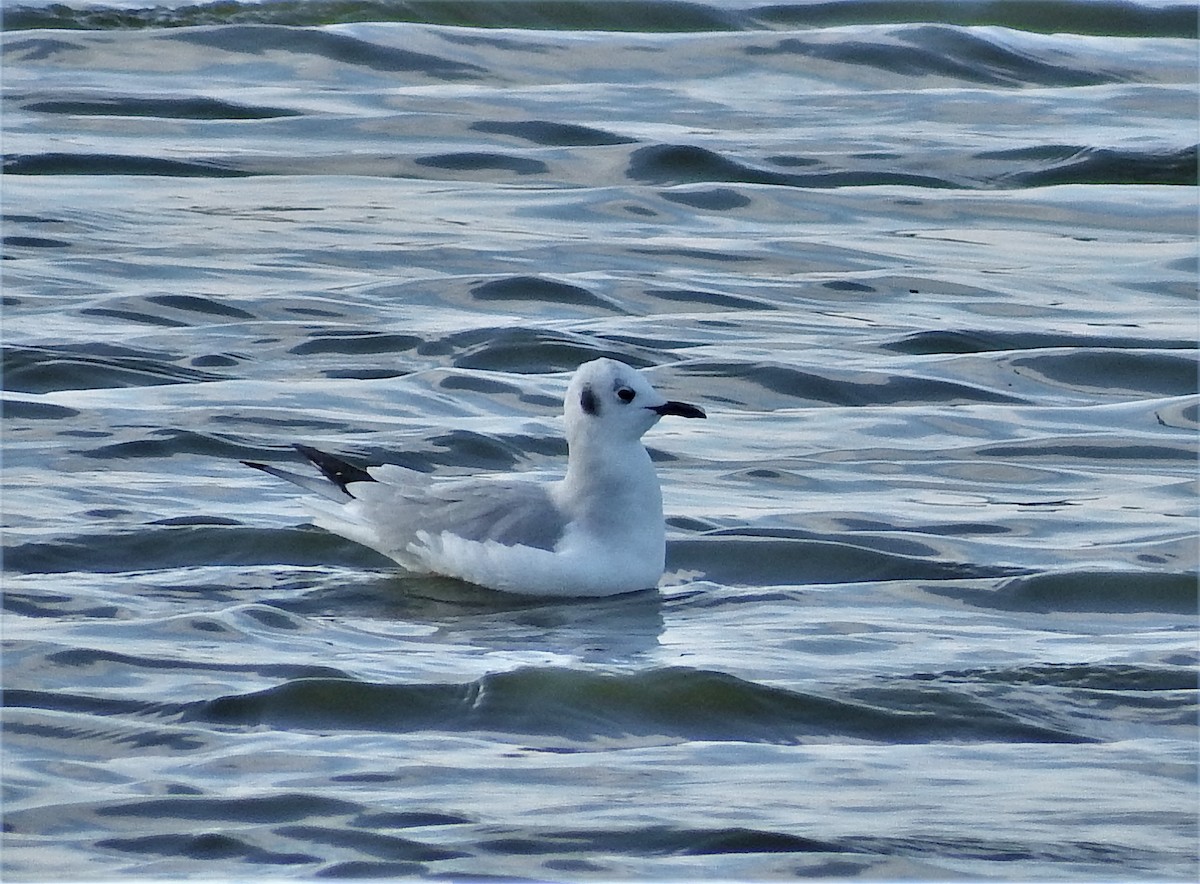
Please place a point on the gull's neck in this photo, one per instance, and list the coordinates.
(612, 479)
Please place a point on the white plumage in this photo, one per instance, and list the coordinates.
(597, 531)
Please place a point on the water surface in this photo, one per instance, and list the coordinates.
(930, 609)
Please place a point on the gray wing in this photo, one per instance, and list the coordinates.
(507, 512)
(401, 503)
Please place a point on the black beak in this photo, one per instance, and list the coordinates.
(680, 409)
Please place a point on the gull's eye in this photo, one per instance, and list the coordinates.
(625, 394)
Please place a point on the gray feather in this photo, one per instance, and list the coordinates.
(511, 513)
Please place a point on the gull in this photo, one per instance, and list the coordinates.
(597, 531)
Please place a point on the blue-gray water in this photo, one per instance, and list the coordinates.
(930, 609)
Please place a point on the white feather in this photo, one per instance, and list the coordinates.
(598, 531)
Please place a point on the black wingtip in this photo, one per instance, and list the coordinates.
(336, 470)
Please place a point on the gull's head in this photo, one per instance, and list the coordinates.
(609, 398)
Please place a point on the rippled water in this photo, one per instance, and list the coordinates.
(930, 608)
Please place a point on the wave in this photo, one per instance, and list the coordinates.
(764, 381)
(673, 164)
(1092, 676)
(1119, 367)
(1094, 17)
(772, 561)
(1079, 164)
(872, 61)
(1093, 591)
(672, 704)
(939, 51)
(574, 710)
(42, 369)
(115, 164)
(193, 108)
(944, 341)
(1102, 18)
(305, 834)
(732, 179)
(180, 546)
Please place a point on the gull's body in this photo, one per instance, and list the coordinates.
(597, 531)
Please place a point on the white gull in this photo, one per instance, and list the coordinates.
(598, 531)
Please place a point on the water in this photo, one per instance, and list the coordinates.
(930, 609)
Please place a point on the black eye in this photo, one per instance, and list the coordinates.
(625, 394)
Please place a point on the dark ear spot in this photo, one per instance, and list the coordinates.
(587, 401)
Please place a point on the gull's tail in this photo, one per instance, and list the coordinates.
(337, 474)
(377, 521)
